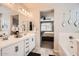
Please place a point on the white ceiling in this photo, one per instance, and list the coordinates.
(38, 5)
(47, 5)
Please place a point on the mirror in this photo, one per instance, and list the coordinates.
(15, 23)
(15, 20)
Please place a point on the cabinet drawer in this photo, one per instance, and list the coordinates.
(27, 52)
(27, 40)
(14, 50)
(26, 43)
(26, 46)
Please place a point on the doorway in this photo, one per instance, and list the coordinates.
(47, 29)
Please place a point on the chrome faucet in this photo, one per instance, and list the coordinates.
(5, 37)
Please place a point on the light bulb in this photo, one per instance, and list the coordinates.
(23, 10)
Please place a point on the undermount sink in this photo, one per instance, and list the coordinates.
(18, 36)
(5, 38)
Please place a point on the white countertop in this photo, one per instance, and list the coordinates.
(12, 40)
(77, 39)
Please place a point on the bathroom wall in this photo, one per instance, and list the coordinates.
(58, 18)
(36, 14)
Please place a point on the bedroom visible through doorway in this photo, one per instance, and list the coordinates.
(47, 29)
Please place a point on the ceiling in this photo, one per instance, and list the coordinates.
(47, 5)
(38, 5)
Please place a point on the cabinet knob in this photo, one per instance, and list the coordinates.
(16, 49)
(71, 46)
(27, 43)
(70, 37)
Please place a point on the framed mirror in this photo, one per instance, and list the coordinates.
(14, 23)
(15, 20)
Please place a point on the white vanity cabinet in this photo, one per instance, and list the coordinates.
(29, 44)
(14, 50)
(32, 42)
(27, 49)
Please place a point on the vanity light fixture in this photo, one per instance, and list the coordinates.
(25, 12)
(22, 9)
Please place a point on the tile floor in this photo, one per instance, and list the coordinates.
(44, 51)
(47, 44)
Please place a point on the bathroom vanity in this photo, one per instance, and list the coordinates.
(17, 46)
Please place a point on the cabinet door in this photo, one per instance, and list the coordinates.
(32, 43)
(14, 50)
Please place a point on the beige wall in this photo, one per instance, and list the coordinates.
(58, 10)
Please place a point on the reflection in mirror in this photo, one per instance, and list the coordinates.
(15, 20)
(15, 23)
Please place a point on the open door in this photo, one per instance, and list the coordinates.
(47, 29)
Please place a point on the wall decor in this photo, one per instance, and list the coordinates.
(64, 21)
(76, 23)
(69, 20)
